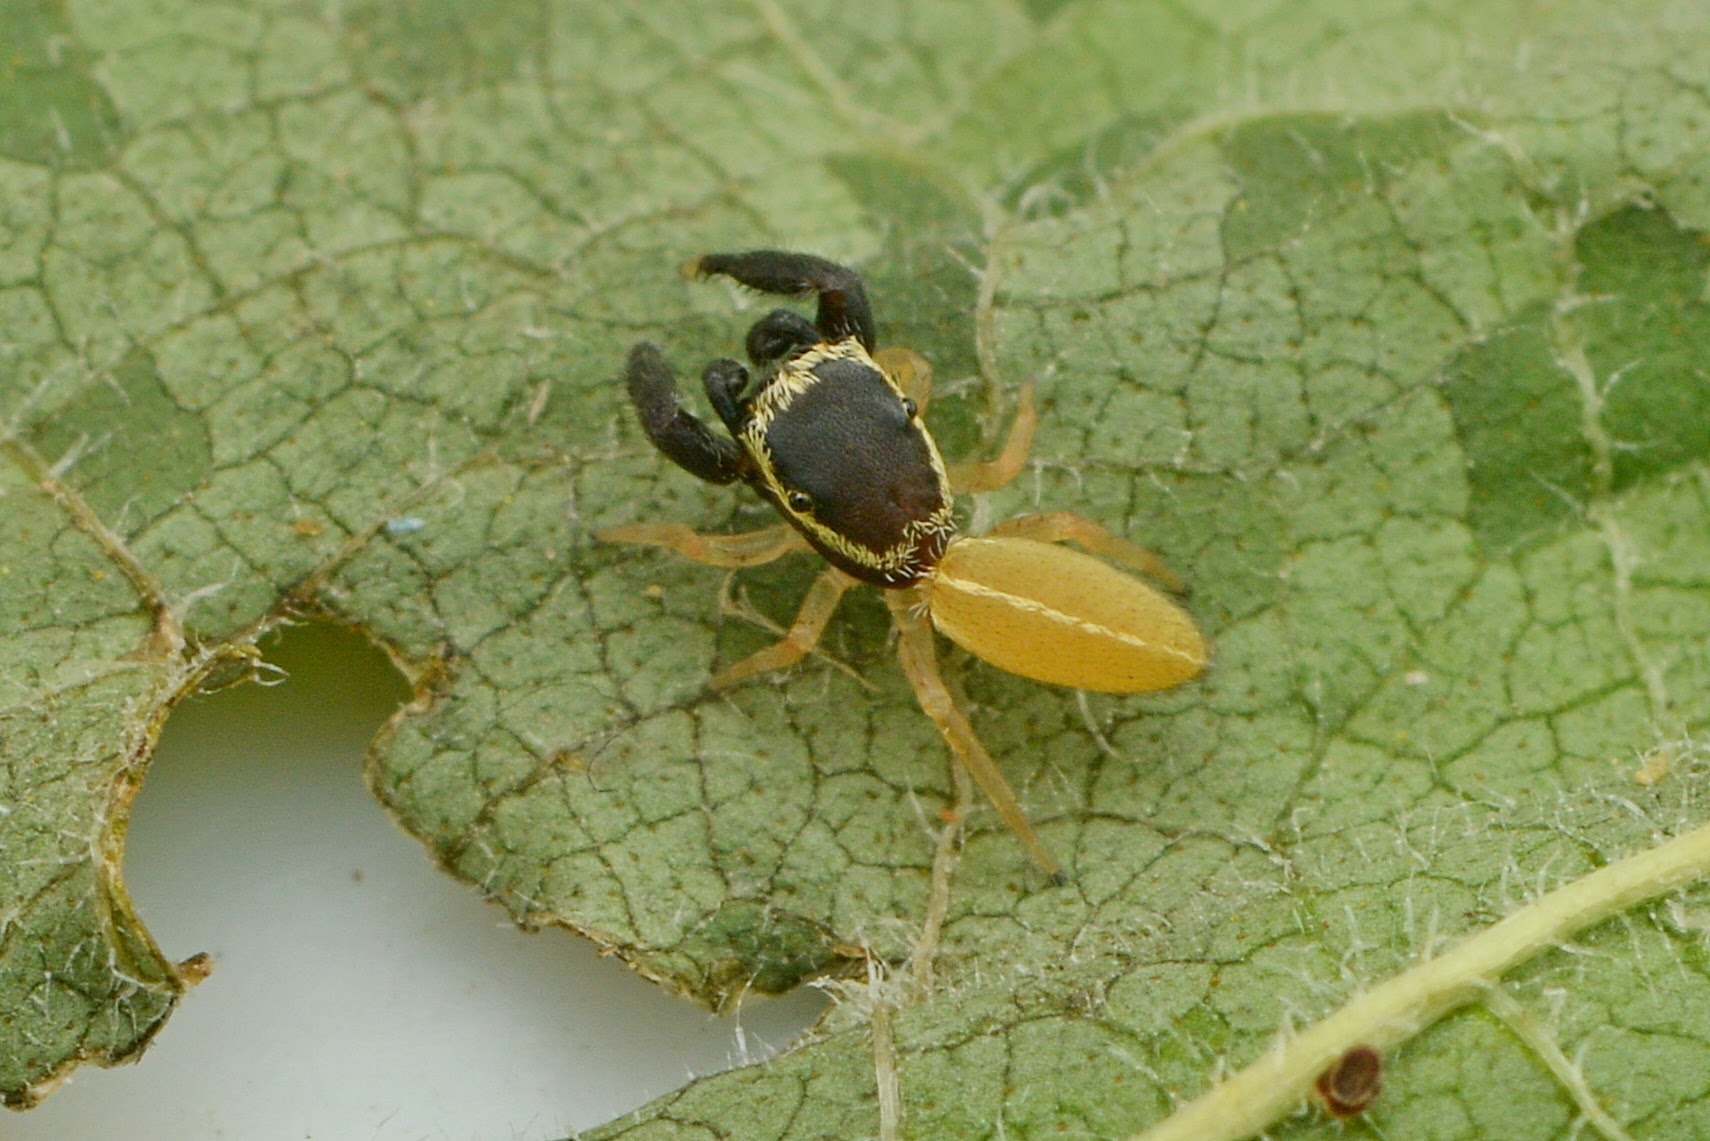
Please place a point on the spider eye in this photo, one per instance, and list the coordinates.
(910, 408)
(800, 502)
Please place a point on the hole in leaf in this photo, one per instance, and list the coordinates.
(357, 991)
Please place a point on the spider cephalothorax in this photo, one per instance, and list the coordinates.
(825, 433)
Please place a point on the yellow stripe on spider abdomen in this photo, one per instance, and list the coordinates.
(1057, 615)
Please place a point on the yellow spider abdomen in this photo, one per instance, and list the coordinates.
(1057, 615)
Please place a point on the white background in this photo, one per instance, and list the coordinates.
(358, 993)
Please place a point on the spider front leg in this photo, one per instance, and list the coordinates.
(919, 657)
(843, 307)
(692, 446)
(673, 429)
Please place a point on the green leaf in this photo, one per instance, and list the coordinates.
(1386, 325)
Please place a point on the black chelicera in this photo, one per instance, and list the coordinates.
(826, 435)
